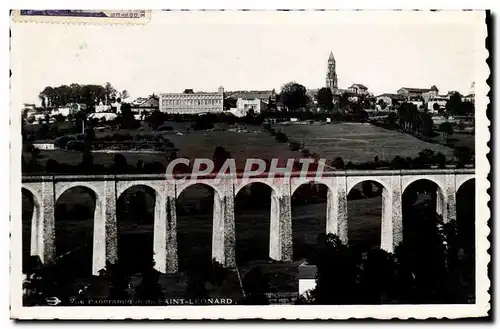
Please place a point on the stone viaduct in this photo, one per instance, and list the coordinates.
(46, 190)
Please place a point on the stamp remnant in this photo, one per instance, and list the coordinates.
(87, 16)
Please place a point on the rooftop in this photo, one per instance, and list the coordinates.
(359, 85)
(417, 90)
(249, 94)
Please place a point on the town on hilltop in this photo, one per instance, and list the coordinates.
(294, 97)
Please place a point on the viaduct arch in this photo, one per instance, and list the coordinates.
(107, 188)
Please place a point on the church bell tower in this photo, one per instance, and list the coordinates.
(331, 74)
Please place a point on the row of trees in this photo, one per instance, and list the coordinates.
(294, 97)
(409, 119)
(77, 93)
(456, 106)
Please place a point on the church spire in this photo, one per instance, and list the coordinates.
(331, 73)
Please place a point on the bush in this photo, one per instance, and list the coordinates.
(294, 146)
(202, 125)
(62, 142)
(281, 137)
(75, 145)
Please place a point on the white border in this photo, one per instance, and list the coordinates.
(289, 311)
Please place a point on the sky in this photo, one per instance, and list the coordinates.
(256, 51)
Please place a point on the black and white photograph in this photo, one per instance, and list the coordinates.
(318, 164)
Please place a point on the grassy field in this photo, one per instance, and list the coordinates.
(251, 143)
(247, 143)
(101, 158)
(358, 142)
(352, 141)
(463, 140)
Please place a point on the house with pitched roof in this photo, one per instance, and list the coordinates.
(418, 93)
(358, 89)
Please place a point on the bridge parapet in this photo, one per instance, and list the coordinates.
(336, 173)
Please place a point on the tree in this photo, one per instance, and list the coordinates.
(398, 163)
(382, 104)
(149, 289)
(464, 155)
(120, 164)
(325, 99)
(440, 160)
(196, 287)
(39, 284)
(293, 96)
(338, 163)
(60, 118)
(62, 95)
(110, 91)
(454, 104)
(436, 107)
(87, 161)
(408, 114)
(391, 119)
(446, 129)
(156, 119)
(219, 157)
(126, 118)
(426, 124)
(124, 94)
(468, 108)
(344, 101)
(250, 113)
(255, 284)
(331, 257)
(377, 277)
(117, 280)
(461, 125)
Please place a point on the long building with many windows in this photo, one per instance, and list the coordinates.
(192, 102)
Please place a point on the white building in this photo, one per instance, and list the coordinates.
(243, 105)
(419, 104)
(102, 108)
(439, 100)
(100, 115)
(72, 109)
(192, 102)
(307, 278)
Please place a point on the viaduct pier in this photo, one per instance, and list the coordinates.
(46, 190)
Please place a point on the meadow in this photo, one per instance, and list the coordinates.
(358, 142)
(353, 142)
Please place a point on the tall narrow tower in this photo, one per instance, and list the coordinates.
(331, 74)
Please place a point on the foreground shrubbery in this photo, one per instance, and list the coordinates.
(428, 267)
(116, 282)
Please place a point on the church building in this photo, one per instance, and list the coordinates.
(331, 74)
